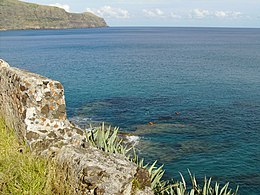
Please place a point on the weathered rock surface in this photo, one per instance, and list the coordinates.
(92, 171)
(35, 107)
(15, 14)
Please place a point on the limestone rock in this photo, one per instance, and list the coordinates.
(91, 170)
(34, 106)
(4, 64)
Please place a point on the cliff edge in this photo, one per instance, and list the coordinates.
(34, 106)
(16, 15)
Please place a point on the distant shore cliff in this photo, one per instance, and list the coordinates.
(16, 15)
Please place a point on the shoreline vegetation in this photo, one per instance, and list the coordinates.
(23, 173)
(108, 139)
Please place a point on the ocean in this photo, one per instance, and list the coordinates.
(198, 87)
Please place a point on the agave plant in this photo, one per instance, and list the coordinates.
(181, 189)
(156, 173)
(107, 140)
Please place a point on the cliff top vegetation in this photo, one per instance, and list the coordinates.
(15, 14)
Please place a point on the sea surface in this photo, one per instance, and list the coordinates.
(199, 87)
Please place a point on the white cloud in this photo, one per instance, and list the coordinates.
(227, 14)
(199, 13)
(220, 14)
(192, 14)
(110, 12)
(63, 6)
(175, 16)
(203, 13)
(153, 12)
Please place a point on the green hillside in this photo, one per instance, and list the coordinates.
(15, 14)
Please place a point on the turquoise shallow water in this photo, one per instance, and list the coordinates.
(132, 76)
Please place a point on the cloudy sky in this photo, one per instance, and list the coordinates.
(219, 13)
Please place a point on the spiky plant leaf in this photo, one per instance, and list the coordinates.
(156, 172)
(179, 191)
(204, 192)
(107, 133)
(224, 189)
(152, 167)
(113, 137)
(236, 190)
(216, 188)
(183, 180)
(208, 187)
(156, 179)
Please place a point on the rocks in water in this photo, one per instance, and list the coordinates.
(159, 128)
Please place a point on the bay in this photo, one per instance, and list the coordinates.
(200, 87)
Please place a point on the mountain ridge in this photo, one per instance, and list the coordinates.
(18, 15)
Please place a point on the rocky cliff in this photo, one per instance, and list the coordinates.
(34, 106)
(15, 14)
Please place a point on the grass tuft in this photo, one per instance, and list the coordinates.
(23, 173)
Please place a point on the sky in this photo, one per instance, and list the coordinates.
(181, 13)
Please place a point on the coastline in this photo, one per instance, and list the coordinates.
(24, 29)
(217, 117)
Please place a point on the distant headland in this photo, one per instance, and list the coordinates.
(16, 15)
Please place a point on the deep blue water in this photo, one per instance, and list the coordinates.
(132, 76)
